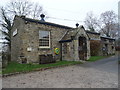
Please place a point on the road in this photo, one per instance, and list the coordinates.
(99, 74)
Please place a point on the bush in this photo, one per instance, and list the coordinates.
(94, 47)
(117, 48)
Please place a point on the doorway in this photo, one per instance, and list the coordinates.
(82, 50)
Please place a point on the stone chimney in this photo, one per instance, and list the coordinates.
(42, 17)
(77, 25)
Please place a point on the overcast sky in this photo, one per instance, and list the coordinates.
(70, 12)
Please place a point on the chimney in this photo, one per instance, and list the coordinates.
(22, 16)
(77, 25)
(42, 17)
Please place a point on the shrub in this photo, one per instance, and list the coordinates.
(94, 47)
(117, 48)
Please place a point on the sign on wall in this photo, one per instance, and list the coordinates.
(56, 50)
(29, 49)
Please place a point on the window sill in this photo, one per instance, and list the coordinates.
(44, 48)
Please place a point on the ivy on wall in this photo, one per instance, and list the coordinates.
(94, 47)
(117, 48)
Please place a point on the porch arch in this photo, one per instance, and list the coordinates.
(82, 48)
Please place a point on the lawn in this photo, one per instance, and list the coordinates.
(16, 67)
(95, 58)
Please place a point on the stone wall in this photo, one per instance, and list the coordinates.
(103, 41)
(82, 32)
(67, 51)
(94, 36)
(28, 37)
(72, 51)
(16, 41)
(110, 46)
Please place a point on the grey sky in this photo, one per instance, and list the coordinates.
(66, 10)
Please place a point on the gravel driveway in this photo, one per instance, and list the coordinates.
(99, 74)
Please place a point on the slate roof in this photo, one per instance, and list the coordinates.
(45, 23)
(107, 38)
(61, 41)
(92, 32)
(70, 34)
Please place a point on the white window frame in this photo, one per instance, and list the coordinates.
(49, 41)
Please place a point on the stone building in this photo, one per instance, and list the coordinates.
(75, 45)
(37, 41)
(107, 44)
(93, 35)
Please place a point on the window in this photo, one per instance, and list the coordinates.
(44, 39)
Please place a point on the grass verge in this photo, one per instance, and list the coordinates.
(16, 67)
(95, 58)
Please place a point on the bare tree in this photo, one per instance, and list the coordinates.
(91, 21)
(114, 30)
(109, 21)
(24, 7)
(18, 7)
(6, 26)
(37, 9)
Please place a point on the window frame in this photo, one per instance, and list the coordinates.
(49, 40)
